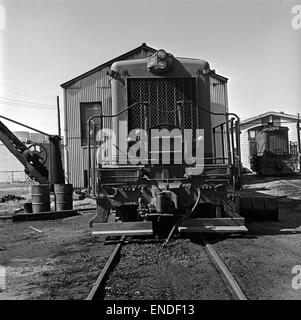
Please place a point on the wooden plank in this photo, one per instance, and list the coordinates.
(123, 232)
(123, 228)
(37, 230)
(122, 225)
(213, 222)
(212, 229)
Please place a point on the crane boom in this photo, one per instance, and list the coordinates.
(31, 161)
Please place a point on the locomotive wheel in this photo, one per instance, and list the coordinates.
(40, 150)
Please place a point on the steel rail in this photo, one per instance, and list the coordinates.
(104, 272)
(224, 270)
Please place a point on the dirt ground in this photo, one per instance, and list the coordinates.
(63, 260)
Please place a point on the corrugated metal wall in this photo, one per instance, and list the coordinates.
(93, 88)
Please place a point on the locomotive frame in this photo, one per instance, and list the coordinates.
(157, 198)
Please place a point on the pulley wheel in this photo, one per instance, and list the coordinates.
(40, 150)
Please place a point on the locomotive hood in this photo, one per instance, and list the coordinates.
(161, 63)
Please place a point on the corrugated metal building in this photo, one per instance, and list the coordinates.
(271, 117)
(87, 93)
(83, 96)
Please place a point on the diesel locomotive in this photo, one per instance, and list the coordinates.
(167, 158)
(271, 154)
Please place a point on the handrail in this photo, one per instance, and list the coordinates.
(230, 157)
(101, 116)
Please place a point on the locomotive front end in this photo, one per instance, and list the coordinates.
(156, 162)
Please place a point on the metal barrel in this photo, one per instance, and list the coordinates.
(63, 196)
(40, 198)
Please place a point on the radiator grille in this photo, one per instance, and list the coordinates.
(164, 95)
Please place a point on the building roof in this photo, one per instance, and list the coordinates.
(218, 76)
(270, 113)
(108, 63)
(122, 57)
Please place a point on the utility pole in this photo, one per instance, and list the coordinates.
(299, 142)
(58, 115)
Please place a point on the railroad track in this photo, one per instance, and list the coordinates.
(98, 286)
(98, 289)
(215, 258)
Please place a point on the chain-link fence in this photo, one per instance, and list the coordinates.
(12, 176)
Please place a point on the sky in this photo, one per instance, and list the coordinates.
(44, 43)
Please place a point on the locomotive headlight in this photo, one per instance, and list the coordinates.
(161, 54)
(162, 64)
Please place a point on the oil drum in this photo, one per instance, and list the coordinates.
(40, 198)
(63, 196)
